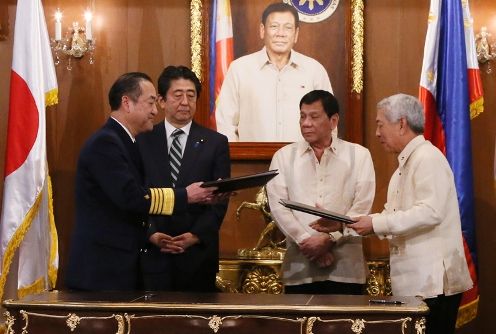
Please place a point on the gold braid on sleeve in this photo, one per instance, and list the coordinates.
(161, 201)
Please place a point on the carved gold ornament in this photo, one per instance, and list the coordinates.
(358, 326)
(215, 323)
(420, 326)
(378, 280)
(357, 34)
(72, 321)
(196, 37)
(262, 280)
(9, 322)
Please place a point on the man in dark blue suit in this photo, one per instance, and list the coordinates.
(184, 249)
(112, 203)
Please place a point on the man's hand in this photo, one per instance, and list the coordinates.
(197, 194)
(185, 240)
(363, 225)
(165, 242)
(158, 239)
(325, 260)
(315, 246)
(220, 198)
(326, 225)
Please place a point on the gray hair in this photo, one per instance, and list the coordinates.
(404, 106)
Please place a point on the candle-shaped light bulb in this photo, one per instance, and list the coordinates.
(58, 25)
(88, 16)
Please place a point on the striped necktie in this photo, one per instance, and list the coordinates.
(175, 155)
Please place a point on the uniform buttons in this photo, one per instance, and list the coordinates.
(143, 224)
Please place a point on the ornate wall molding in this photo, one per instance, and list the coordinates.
(196, 22)
(357, 36)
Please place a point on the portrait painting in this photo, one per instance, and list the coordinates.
(330, 32)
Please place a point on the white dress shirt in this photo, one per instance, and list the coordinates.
(343, 182)
(260, 103)
(183, 138)
(422, 220)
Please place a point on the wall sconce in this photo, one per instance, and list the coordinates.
(77, 40)
(486, 52)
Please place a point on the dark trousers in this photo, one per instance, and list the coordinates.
(161, 273)
(326, 288)
(443, 311)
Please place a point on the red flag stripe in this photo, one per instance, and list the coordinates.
(433, 127)
(224, 57)
(475, 92)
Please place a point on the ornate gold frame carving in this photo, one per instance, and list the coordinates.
(357, 48)
(196, 24)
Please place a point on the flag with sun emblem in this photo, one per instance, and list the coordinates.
(451, 92)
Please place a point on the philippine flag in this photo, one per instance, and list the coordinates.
(221, 50)
(451, 92)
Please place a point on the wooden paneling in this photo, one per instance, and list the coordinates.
(130, 36)
(148, 35)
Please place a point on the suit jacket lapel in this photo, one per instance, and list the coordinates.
(161, 153)
(193, 147)
(131, 148)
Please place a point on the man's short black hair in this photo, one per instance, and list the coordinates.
(280, 7)
(126, 85)
(177, 72)
(329, 102)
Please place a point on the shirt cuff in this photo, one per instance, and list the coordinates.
(300, 238)
(335, 236)
(380, 226)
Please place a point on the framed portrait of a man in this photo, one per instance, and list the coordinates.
(281, 50)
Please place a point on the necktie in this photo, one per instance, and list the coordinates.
(175, 155)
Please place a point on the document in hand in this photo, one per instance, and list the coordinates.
(316, 211)
(241, 182)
